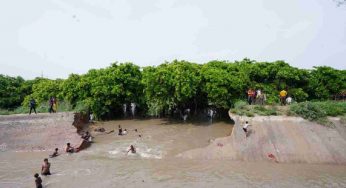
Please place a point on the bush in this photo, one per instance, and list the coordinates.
(240, 105)
(308, 110)
(313, 111)
(81, 107)
(298, 94)
(332, 108)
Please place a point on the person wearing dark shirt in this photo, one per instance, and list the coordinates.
(32, 105)
(38, 181)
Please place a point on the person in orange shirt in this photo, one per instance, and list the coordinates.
(250, 96)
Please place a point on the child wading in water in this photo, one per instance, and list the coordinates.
(55, 154)
(38, 181)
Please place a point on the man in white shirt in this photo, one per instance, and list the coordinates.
(289, 100)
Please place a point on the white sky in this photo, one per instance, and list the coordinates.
(70, 36)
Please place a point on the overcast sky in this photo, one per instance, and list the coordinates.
(57, 38)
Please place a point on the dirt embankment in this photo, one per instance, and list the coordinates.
(280, 139)
(37, 132)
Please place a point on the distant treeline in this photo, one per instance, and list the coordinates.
(174, 85)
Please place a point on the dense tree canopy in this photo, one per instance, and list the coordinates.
(175, 85)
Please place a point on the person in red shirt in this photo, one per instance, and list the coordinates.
(250, 96)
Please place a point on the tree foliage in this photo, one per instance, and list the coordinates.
(175, 85)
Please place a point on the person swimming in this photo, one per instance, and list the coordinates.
(120, 130)
(69, 148)
(124, 132)
(55, 154)
(45, 170)
(132, 149)
(38, 181)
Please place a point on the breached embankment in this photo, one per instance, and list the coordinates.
(34, 132)
(280, 139)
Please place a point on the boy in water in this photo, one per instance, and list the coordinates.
(120, 130)
(86, 136)
(38, 181)
(132, 149)
(245, 128)
(69, 148)
(55, 154)
(45, 170)
(124, 132)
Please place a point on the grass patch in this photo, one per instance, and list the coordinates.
(318, 111)
(243, 109)
(343, 119)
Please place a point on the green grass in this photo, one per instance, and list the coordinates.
(243, 109)
(318, 111)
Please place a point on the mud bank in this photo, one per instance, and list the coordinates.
(278, 139)
(37, 131)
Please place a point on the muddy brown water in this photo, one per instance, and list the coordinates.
(106, 163)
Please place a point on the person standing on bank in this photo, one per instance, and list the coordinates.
(32, 105)
(51, 103)
(283, 94)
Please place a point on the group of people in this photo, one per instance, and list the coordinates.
(259, 97)
(122, 132)
(284, 98)
(256, 96)
(53, 105)
(45, 169)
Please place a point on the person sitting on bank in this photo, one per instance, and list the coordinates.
(45, 170)
(55, 153)
(69, 148)
(38, 181)
(132, 149)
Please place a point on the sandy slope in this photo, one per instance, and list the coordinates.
(37, 131)
(289, 139)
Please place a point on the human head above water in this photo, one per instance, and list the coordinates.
(36, 175)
